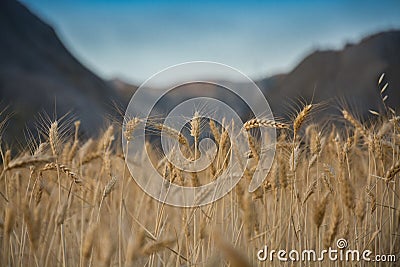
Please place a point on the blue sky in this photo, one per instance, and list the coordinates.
(134, 39)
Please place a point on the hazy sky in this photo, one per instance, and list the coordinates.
(135, 39)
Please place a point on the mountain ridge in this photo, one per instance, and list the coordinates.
(346, 76)
(38, 73)
(350, 73)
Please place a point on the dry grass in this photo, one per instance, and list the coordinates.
(74, 203)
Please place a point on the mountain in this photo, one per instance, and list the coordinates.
(348, 76)
(124, 90)
(37, 74)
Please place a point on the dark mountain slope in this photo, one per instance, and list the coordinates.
(37, 73)
(349, 74)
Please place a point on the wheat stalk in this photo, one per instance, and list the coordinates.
(32, 220)
(300, 118)
(53, 138)
(256, 123)
(109, 186)
(215, 131)
(157, 246)
(391, 173)
(319, 211)
(355, 123)
(333, 226)
(75, 145)
(64, 169)
(130, 127)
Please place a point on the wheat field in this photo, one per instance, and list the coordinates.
(66, 201)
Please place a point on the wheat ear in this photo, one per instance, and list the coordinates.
(256, 123)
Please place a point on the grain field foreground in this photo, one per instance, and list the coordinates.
(72, 202)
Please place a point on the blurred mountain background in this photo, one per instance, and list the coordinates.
(39, 75)
(348, 76)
